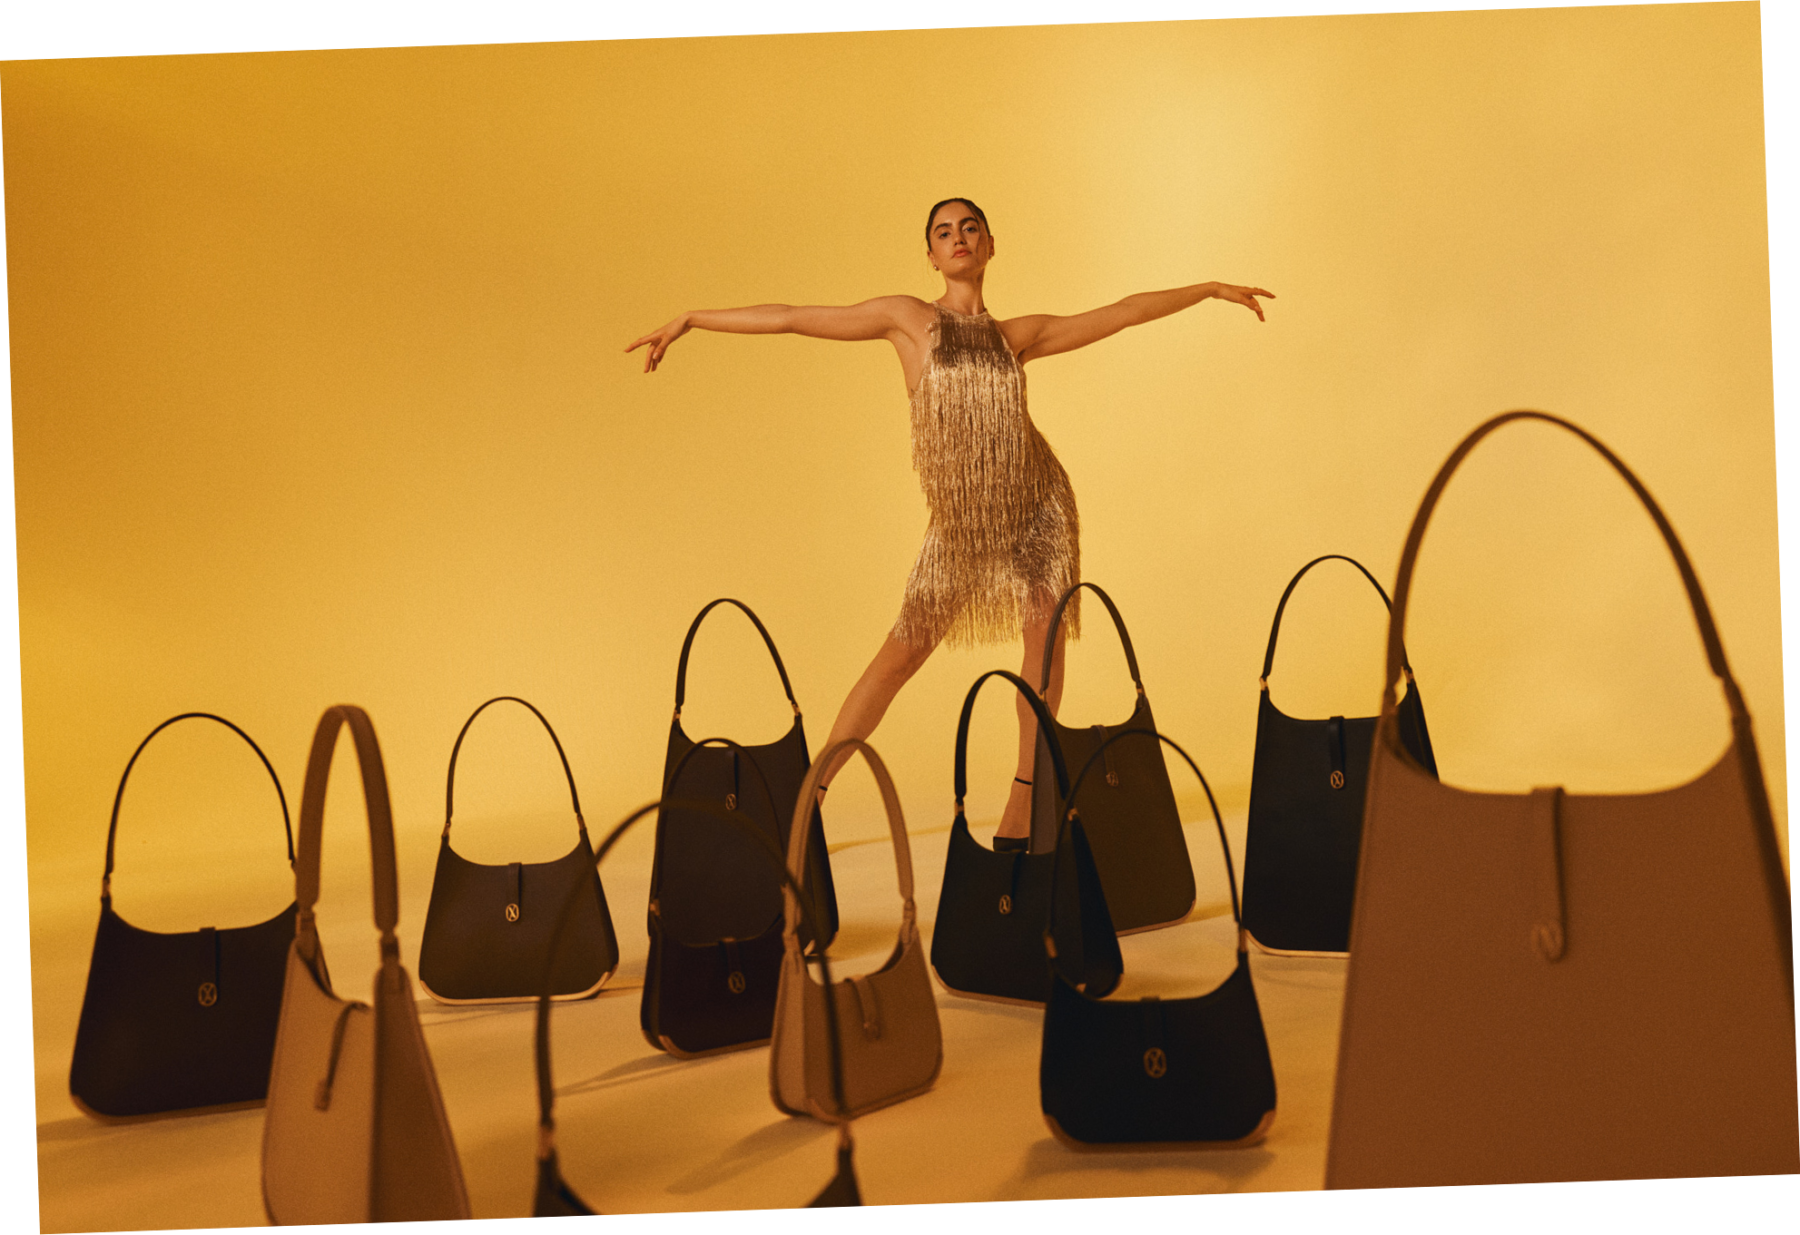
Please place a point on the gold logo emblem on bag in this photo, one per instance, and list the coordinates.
(512, 913)
(1337, 780)
(1005, 903)
(1155, 1062)
(731, 801)
(735, 982)
(209, 994)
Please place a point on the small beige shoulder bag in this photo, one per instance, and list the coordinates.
(355, 1129)
(892, 1046)
(1553, 986)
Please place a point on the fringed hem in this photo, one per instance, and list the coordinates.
(997, 617)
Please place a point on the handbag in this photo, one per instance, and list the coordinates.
(1306, 803)
(1555, 986)
(1188, 1073)
(715, 921)
(552, 1197)
(1129, 814)
(488, 926)
(355, 1129)
(988, 942)
(900, 1047)
(178, 1022)
(715, 775)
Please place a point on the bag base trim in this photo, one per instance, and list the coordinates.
(570, 997)
(1006, 999)
(172, 1113)
(662, 1043)
(1265, 948)
(1158, 926)
(1255, 1135)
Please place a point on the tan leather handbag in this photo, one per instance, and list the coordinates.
(892, 1046)
(355, 1130)
(1549, 986)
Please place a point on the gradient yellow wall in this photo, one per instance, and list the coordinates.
(319, 396)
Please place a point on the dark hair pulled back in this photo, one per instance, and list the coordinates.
(932, 214)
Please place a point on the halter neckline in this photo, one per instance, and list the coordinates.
(966, 316)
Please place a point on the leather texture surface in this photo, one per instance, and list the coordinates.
(1530, 996)
(1193, 1071)
(892, 1045)
(356, 1129)
(994, 908)
(487, 928)
(1129, 813)
(178, 1022)
(1307, 786)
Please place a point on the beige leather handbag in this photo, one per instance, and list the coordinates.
(892, 1047)
(355, 1130)
(1549, 986)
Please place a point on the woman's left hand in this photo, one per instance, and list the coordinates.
(1245, 296)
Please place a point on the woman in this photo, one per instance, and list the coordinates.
(1002, 544)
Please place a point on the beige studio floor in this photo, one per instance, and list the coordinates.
(640, 1131)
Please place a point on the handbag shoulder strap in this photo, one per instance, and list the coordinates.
(1275, 628)
(1709, 634)
(790, 886)
(1118, 624)
(799, 831)
(450, 785)
(381, 829)
(1044, 727)
(687, 646)
(112, 826)
(1218, 820)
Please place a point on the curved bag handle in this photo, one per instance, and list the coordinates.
(1275, 629)
(1043, 719)
(799, 830)
(790, 888)
(1709, 634)
(450, 786)
(1218, 820)
(112, 826)
(1118, 625)
(381, 829)
(687, 646)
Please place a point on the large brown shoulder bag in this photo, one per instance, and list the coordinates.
(1550, 986)
(892, 1046)
(355, 1130)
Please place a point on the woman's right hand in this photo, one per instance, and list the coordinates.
(659, 341)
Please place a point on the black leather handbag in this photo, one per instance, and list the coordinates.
(988, 941)
(1151, 1073)
(716, 774)
(552, 1197)
(715, 917)
(1306, 807)
(487, 930)
(1130, 815)
(179, 1022)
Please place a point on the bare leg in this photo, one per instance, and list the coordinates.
(1016, 821)
(868, 700)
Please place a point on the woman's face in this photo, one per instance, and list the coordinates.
(960, 243)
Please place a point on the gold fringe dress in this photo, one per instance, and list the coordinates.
(1003, 541)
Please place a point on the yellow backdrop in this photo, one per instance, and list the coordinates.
(319, 396)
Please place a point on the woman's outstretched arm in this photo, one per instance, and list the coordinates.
(1045, 334)
(884, 317)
